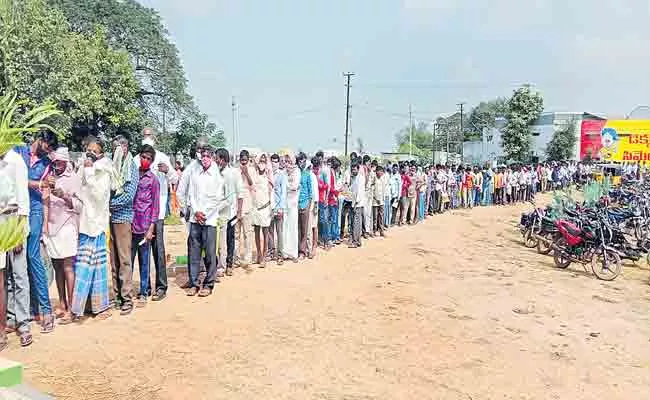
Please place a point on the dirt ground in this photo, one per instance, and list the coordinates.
(454, 308)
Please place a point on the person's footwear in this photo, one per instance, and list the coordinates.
(26, 338)
(220, 273)
(228, 271)
(353, 245)
(160, 294)
(192, 291)
(141, 301)
(104, 315)
(186, 285)
(280, 261)
(126, 309)
(48, 324)
(205, 292)
(117, 305)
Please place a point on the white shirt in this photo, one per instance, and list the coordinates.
(207, 194)
(232, 183)
(95, 195)
(182, 192)
(13, 183)
(314, 188)
(164, 180)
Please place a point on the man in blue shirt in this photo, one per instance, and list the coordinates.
(38, 166)
(279, 202)
(305, 197)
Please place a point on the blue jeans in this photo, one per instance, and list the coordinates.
(323, 223)
(39, 295)
(143, 262)
(421, 205)
(335, 231)
(387, 212)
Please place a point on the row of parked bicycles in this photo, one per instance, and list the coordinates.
(599, 234)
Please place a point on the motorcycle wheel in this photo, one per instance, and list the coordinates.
(529, 240)
(560, 260)
(606, 265)
(544, 247)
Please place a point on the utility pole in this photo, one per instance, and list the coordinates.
(164, 117)
(234, 127)
(348, 75)
(462, 134)
(410, 131)
(433, 144)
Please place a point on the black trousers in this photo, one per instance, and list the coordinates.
(203, 237)
(230, 242)
(159, 257)
(346, 215)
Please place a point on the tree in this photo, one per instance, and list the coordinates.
(139, 31)
(188, 130)
(561, 146)
(483, 117)
(43, 61)
(422, 141)
(523, 109)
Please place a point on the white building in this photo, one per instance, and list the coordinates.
(489, 149)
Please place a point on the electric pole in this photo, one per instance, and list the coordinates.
(348, 75)
(234, 127)
(462, 135)
(410, 131)
(433, 144)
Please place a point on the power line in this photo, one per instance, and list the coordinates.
(348, 75)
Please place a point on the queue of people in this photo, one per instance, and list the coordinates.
(93, 218)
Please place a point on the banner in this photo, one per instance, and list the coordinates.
(616, 140)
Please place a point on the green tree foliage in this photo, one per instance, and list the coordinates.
(43, 61)
(140, 31)
(561, 146)
(523, 109)
(483, 117)
(422, 141)
(188, 129)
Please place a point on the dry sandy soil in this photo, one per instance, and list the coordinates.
(455, 308)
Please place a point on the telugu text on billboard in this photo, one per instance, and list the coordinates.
(616, 140)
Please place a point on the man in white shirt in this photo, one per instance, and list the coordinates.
(14, 200)
(232, 184)
(182, 191)
(245, 208)
(162, 169)
(98, 178)
(206, 201)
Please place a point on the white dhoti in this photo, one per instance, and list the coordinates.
(290, 233)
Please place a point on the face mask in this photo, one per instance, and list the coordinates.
(262, 167)
(59, 168)
(91, 156)
(206, 162)
(275, 165)
(145, 164)
(148, 141)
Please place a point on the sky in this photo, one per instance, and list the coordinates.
(284, 60)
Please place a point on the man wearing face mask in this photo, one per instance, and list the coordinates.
(232, 184)
(38, 164)
(182, 192)
(162, 169)
(121, 209)
(279, 203)
(206, 200)
(98, 179)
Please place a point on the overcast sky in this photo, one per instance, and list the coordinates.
(284, 59)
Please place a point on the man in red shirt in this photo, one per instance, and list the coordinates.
(404, 200)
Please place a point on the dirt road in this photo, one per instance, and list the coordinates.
(454, 308)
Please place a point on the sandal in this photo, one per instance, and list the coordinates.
(104, 315)
(126, 309)
(280, 261)
(192, 291)
(205, 292)
(48, 324)
(160, 294)
(67, 319)
(26, 339)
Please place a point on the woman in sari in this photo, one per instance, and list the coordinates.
(291, 218)
(261, 213)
